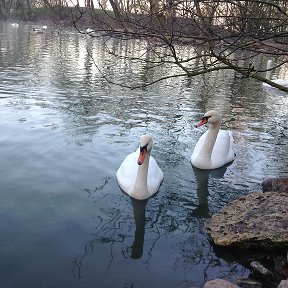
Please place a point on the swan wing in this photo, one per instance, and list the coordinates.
(198, 146)
(223, 152)
(155, 176)
(127, 172)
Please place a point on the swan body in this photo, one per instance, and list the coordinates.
(139, 174)
(90, 32)
(214, 148)
(16, 25)
(281, 82)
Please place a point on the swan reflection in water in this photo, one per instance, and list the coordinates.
(109, 232)
(139, 207)
(202, 179)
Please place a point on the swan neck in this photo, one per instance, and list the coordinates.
(268, 72)
(210, 139)
(140, 190)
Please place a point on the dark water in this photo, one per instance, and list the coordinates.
(64, 131)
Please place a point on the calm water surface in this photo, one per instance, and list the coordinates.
(63, 134)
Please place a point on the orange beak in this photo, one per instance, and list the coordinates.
(203, 121)
(142, 155)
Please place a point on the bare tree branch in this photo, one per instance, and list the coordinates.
(223, 29)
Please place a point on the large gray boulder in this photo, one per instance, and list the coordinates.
(257, 220)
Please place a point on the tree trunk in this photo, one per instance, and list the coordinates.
(2, 9)
(47, 4)
(116, 10)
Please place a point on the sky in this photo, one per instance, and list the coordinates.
(81, 2)
(73, 2)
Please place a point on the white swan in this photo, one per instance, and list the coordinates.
(281, 82)
(89, 30)
(139, 174)
(215, 147)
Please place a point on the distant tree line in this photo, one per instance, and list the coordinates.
(256, 17)
(218, 29)
(27, 8)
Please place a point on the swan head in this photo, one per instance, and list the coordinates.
(146, 144)
(211, 117)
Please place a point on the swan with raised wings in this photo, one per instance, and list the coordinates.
(215, 147)
(139, 174)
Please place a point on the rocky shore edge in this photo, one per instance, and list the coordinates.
(253, 230)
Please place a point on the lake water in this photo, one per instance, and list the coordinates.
(64, 131)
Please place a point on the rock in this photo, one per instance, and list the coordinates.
(257, 220)
(219, 283)
(269, 270)
(264, 275)
(249, 283)
(258, 268)
(283, 284)
(280, 265)
(275, 184)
